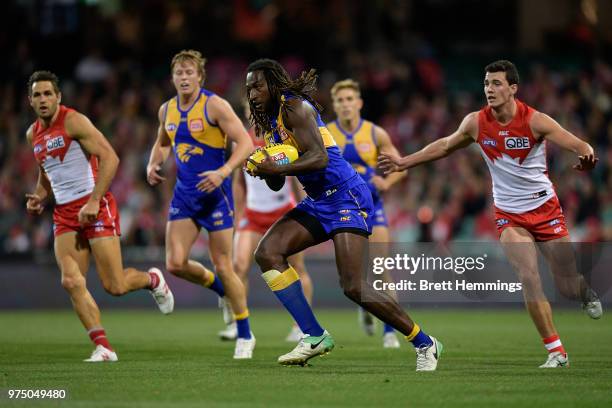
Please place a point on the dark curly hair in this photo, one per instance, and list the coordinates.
(279, 82)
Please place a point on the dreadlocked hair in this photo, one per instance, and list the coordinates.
(279, 82)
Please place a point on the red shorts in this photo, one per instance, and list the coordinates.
(66, 218)
(545, 222)
(260, 222)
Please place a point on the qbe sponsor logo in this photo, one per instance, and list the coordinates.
(517, 143)
(55, 143)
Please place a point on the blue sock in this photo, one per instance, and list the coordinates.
(418, 338)
(387, 328)
(288, 289)
(242, 324)
(216, 285)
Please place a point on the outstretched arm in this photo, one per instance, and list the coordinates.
(462, 137)
(543, 126)
(384, 145)
(221, 113)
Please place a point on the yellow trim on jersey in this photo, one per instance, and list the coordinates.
(289, 139)
(197, 124)
(328, 139)
(337, 134)
(363, 141)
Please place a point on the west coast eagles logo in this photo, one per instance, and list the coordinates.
(184, 151)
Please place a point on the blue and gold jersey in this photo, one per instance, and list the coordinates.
(325, 181)
(359, 149)
(198, 144)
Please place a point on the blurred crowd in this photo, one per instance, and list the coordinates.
(118, 75)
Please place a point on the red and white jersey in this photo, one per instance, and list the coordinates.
(516, 160)
(71, 171)
(261, 199)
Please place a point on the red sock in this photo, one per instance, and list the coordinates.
(153, 280)
(98, 336)
(553, 343)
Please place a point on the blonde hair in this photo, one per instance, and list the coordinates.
(345, 84)
(193, 56)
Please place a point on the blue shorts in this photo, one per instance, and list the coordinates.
(213, 211)
(378, 218)
(344, 209)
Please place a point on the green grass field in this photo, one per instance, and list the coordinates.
(490, 360)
